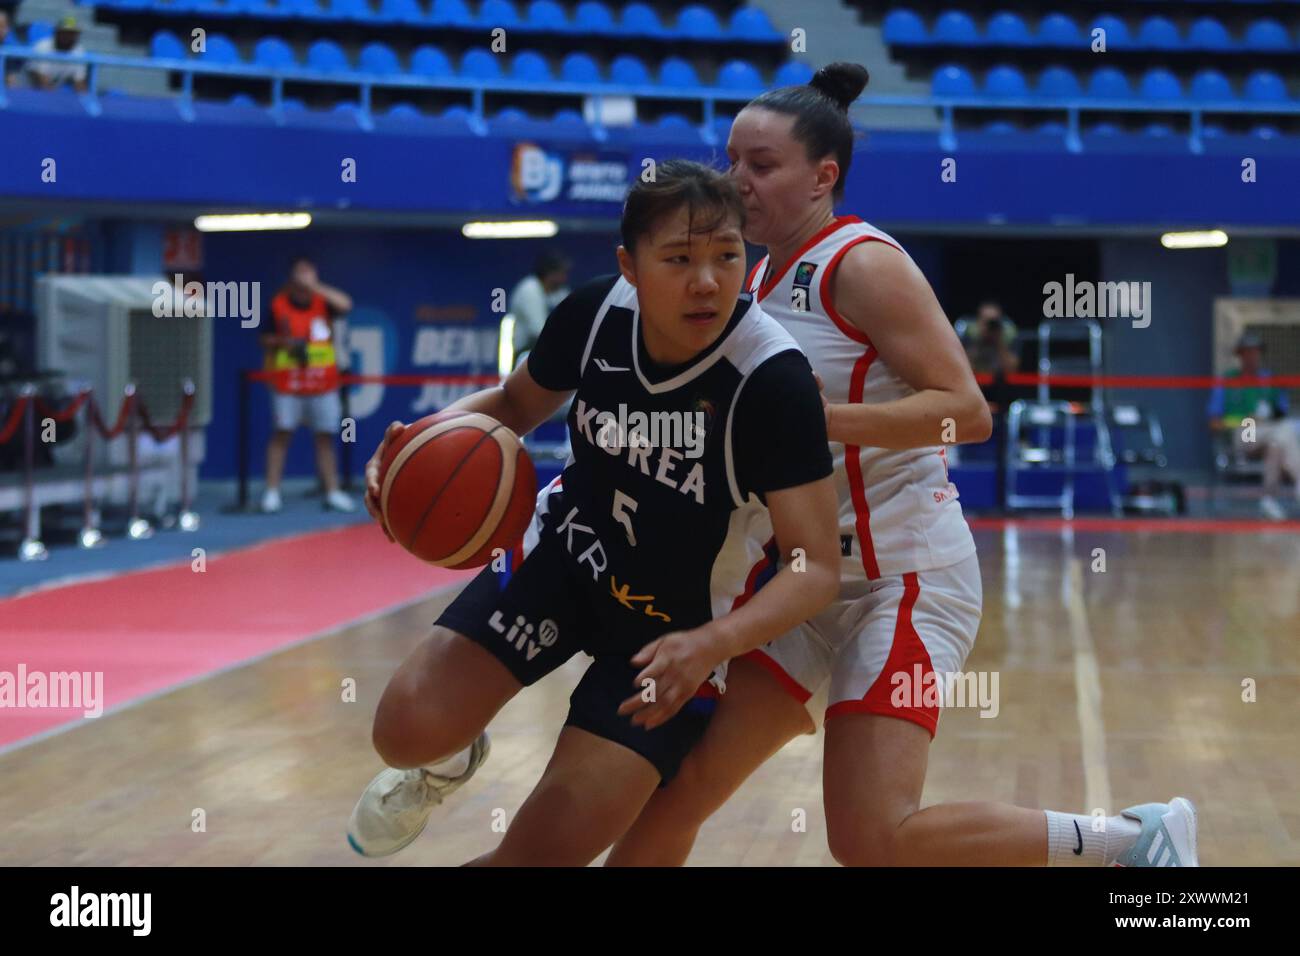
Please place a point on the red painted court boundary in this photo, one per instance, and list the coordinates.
(1140, 525)
(152, 630)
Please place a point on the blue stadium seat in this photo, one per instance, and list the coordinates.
(344, 106)
(639, 20)
(751, 23)
(722, 126)
(1001, 127)
(676, 72)
(956, 28)
(273, 52)
(1265, 131)
(1157, 130)
(1264, 86)
(1058, 83)
(792, 73)
(1212, 131)
(1210, 85)
(457, 113)
(952, 80)
(404, 111)
(547, 15)
(326, 56)
(498, 13)
(379, 58)
(674, 121)
(451, 13)
(1160, 84)
(510, 115)
(197, 6)
(1006, 82)
(37, 31)
(220, 51)
(593, 17)
(351, 10)
(254, 8)
(1007, 29)
(303, 9)
(1051, 128)
(740, 75)
(431, 62)
(1056, 29)
(579, 68)
(1266, 36)
(1159, 33)
(1104, 129)
(529, 66)
(904, 27)
(165, 45)
(568, 117)
(479, 64)
(1207, 33)
(401, 11)
(627, 70)
(1108, 83)
(242, 99)
(1117, 35)
(291, 104)
(699, 23)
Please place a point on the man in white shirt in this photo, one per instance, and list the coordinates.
(49, 74)
(533, 298)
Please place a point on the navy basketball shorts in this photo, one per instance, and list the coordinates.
(537, 616)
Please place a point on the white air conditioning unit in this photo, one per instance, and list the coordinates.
(102, 332)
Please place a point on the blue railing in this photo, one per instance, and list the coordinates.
(707, 97)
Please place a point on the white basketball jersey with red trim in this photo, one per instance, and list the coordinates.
(898, 510)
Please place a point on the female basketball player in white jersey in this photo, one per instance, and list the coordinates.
(898, 387)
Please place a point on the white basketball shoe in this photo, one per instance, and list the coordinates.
(396, 805)
(1168, 836)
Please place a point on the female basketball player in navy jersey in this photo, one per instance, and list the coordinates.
(639, 552)
(898, 387)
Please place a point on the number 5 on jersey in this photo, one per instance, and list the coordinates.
(622, 505)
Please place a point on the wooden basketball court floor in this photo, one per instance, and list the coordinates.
(1115, 687)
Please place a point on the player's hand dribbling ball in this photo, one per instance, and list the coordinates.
(454, 487)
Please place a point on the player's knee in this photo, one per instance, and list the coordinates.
(407, 731)
(858, 845)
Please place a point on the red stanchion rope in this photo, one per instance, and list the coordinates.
(123, 415)
(1143, 381)
(68, 411)
(15, 416)
(348, 379)
(161, 433)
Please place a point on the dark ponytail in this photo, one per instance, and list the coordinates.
(821, 111)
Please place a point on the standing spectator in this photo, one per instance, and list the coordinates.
(536, 294)
(48, 74)
(1275, 437)
(990, 340)
(300, 349)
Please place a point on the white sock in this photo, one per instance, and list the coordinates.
(453, 766)
(1066, 831)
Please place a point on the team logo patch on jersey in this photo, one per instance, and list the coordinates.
(804, 273)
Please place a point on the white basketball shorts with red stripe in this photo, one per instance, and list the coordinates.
(877, 642)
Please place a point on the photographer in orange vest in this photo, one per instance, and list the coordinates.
(300, 351)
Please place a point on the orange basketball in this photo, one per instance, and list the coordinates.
(456, 486)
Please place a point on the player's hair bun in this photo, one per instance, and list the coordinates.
(842, 82)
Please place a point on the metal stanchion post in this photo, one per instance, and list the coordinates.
(32, 548)
(90, 536)
(346, 455)
(188, 520)
(137, 527)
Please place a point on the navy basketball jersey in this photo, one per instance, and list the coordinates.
(662, 503)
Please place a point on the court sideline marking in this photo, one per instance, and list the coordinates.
(1087, 693)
